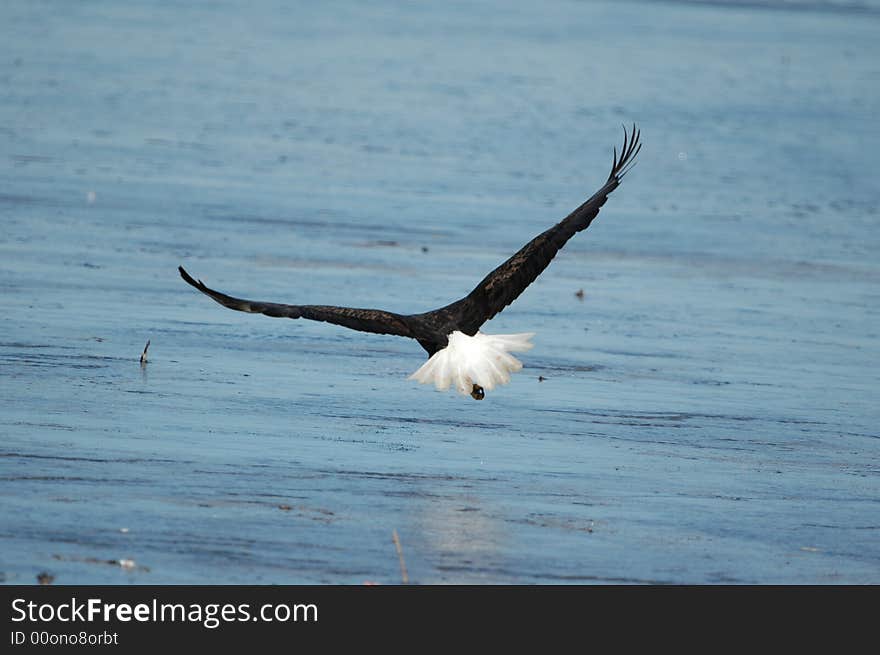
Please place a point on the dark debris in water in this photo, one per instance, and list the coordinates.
(124, 564)
(45, 578)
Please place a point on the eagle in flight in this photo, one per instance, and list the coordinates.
(459, 354)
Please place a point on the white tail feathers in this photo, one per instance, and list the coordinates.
(482, 359)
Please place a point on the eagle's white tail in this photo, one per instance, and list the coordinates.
(482, 359)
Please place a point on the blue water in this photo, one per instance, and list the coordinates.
(709, 409)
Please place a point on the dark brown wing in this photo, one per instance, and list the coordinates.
(503, 285)
(365, 320)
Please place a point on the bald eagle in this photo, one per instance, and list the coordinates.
(459, 354)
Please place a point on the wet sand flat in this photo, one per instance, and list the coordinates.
(706, 412)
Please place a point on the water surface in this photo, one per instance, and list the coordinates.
(708, 410)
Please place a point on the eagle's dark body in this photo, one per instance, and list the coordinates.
(497, 290)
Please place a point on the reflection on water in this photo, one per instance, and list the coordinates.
(459, 538)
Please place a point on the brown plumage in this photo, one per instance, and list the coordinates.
(495, 292)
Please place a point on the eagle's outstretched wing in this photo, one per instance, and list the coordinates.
(502, 286)
(365, 320)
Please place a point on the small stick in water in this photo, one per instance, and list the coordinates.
(403, 573)
(144, 354)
